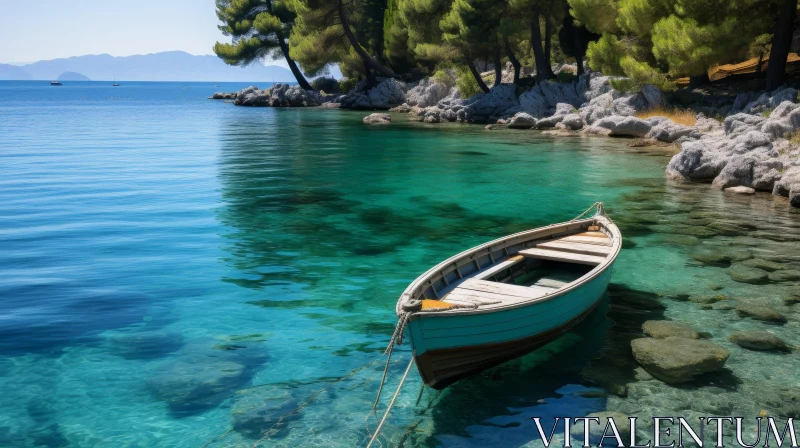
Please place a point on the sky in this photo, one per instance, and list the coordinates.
(35, 30)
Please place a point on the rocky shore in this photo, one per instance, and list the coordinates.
(742, 144)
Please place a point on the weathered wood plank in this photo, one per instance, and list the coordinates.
(566, 257)
(578, 248)
(593, 234)
(500, 288)
(586, 240)
(499, 267)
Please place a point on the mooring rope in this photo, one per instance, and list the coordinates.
(391, 403)
(409, 308)
(597, 205)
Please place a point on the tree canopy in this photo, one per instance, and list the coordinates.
(648, 41)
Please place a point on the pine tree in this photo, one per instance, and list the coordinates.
(324, 34)
(646, 39)
(259, 29)
(781, 41)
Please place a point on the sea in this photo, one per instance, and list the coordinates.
(176, 271)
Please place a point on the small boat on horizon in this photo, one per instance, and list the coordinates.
(115, 81)
(505, 298)
(56, 83)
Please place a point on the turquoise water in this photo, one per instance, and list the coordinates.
(179, 272)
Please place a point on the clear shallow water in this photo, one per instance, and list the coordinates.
(181, 272)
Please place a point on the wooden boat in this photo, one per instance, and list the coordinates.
(507, 297)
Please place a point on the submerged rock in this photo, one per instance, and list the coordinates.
(144, 344)
(262, 411)
(195, 382)
(596, 430)
(706, 299)
(757, 340)
(661, 329)
(759, 312)
(721, 256)
(765, 265)
(377, 119)
(676, 360)
(745, 274)
(787, 275)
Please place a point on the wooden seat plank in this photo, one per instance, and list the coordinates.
(586, 240)
(566, 257)
(499, 267)
(502, 289)
(578, 248)
(593, 234)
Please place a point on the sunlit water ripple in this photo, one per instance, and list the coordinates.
(180, 272)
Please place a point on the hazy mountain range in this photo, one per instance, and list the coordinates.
(166, 66)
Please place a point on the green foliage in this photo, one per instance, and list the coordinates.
(254, 27)
(761, 46)
(444, 76)
(690, 48)
(638, 17)
(640, 73)
(466, 83)
(598, 16)
(604, 55)
(327, 85)
(347, 84)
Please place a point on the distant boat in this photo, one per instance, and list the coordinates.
(505, 298)
(115, 82)
(55, 83)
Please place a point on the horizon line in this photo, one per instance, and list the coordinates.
(20, 64)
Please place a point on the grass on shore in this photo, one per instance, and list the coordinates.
(794, 138)
(680, 116)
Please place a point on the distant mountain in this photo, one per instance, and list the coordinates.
(166, 66)
(72, 76)
(14, 73)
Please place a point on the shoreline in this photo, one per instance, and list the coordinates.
(752, 143)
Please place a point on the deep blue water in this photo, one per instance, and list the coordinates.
(176, 271)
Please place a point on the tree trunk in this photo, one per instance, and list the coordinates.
(298, 75)
(548, 34)
(514, 61)
(498, 70)
(699, 80)
(781, 42)
(579, 63)
(538, 53)
(477, 76)
(369, 61)
(760, 62)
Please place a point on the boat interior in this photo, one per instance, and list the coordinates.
(534, 268)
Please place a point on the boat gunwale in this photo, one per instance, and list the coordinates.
(420, 281)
